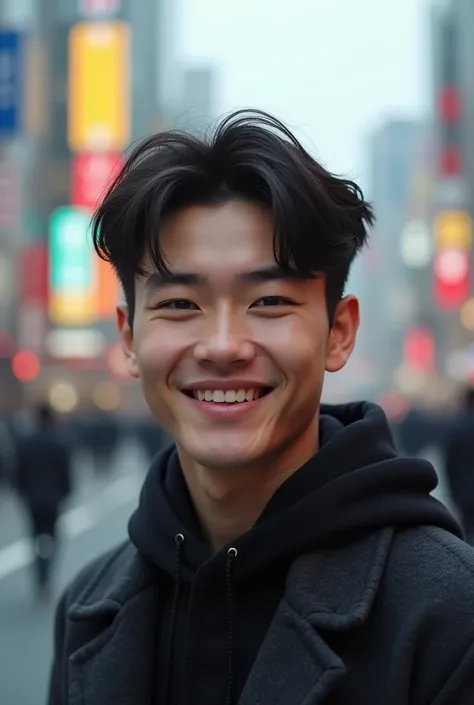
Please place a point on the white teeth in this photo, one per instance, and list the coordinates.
(229, 396)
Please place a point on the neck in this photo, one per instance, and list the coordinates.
(229, 501)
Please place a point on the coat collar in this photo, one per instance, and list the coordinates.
(331, 590)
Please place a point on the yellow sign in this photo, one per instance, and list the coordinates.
(99, 100)
(453, 229)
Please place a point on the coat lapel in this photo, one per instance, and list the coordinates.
(116, 663)
(327, 592)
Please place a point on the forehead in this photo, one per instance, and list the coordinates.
(231, 235)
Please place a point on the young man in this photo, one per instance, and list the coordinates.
(281, 553)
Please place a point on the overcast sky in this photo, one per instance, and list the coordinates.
(332, 69)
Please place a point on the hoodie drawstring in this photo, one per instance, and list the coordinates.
(231, 556)
(229, 583)
(179, 541)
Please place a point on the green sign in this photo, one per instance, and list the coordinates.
(72, 278)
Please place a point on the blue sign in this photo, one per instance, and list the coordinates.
(10, 82)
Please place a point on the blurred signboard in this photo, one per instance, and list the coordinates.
(453, 228)
(99, 8)
(451, 277)
(10, 82)
(98, 86)
(72, 263)
(33, 296)
(91, 176)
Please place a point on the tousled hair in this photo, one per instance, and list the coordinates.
(320, 220)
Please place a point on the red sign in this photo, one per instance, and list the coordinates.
(419, 349)
(452, 273)
(92, 174)
(31, 325)
(34, 272)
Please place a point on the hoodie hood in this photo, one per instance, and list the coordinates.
(355, 484)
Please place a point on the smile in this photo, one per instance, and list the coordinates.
(228, 396)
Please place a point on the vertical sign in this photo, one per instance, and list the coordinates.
(91, 176)
(451, 277)
(10, 82)
(72, 276)
(33, 296)
(98, 86)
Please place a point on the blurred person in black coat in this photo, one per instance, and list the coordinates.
(459, 463)
(44, 482)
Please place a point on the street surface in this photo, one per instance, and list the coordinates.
(95, 520)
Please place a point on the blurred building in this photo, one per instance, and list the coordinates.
(453, 211)
(80, 80)
(196, 105)
(388, 300)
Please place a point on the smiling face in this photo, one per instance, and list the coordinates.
(230, 353)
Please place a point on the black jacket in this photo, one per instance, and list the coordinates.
(376, 605)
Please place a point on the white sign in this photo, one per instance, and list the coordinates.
(416, 245)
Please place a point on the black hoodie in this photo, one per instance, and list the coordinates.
(218, 607)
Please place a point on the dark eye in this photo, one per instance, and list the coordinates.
(179, 305)
(266, 301)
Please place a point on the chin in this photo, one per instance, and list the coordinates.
(221, 455)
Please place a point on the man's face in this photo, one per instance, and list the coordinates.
(231, 354)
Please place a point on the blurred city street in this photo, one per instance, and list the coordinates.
(95, 520)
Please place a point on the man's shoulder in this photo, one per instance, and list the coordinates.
(430, 566)
(100, 578)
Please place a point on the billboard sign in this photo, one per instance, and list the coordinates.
(10, 82)
(451, 277)
(91, 176)
(98, 86)
(72, 262)
(453, 228)
(99, 8)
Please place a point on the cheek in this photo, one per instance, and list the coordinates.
(156, 352)
(298, 346)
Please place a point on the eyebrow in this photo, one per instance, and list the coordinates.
(175, 277)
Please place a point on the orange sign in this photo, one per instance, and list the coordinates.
(99, 100)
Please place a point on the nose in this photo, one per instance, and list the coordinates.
(225, 341)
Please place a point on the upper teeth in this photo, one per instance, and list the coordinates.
(228, 395)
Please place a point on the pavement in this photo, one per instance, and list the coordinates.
(95, 521)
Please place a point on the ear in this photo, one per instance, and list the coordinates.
(126, 333)
(342, 335)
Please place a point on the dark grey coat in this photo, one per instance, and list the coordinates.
(385, 620)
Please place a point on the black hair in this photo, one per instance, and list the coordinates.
(320, 220)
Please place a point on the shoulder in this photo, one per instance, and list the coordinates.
(428, 594)
(421, 553)
(100, 578)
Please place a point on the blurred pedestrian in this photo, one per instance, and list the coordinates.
(44, 483)
(101, 435)
(282, 552)
(459, 462)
